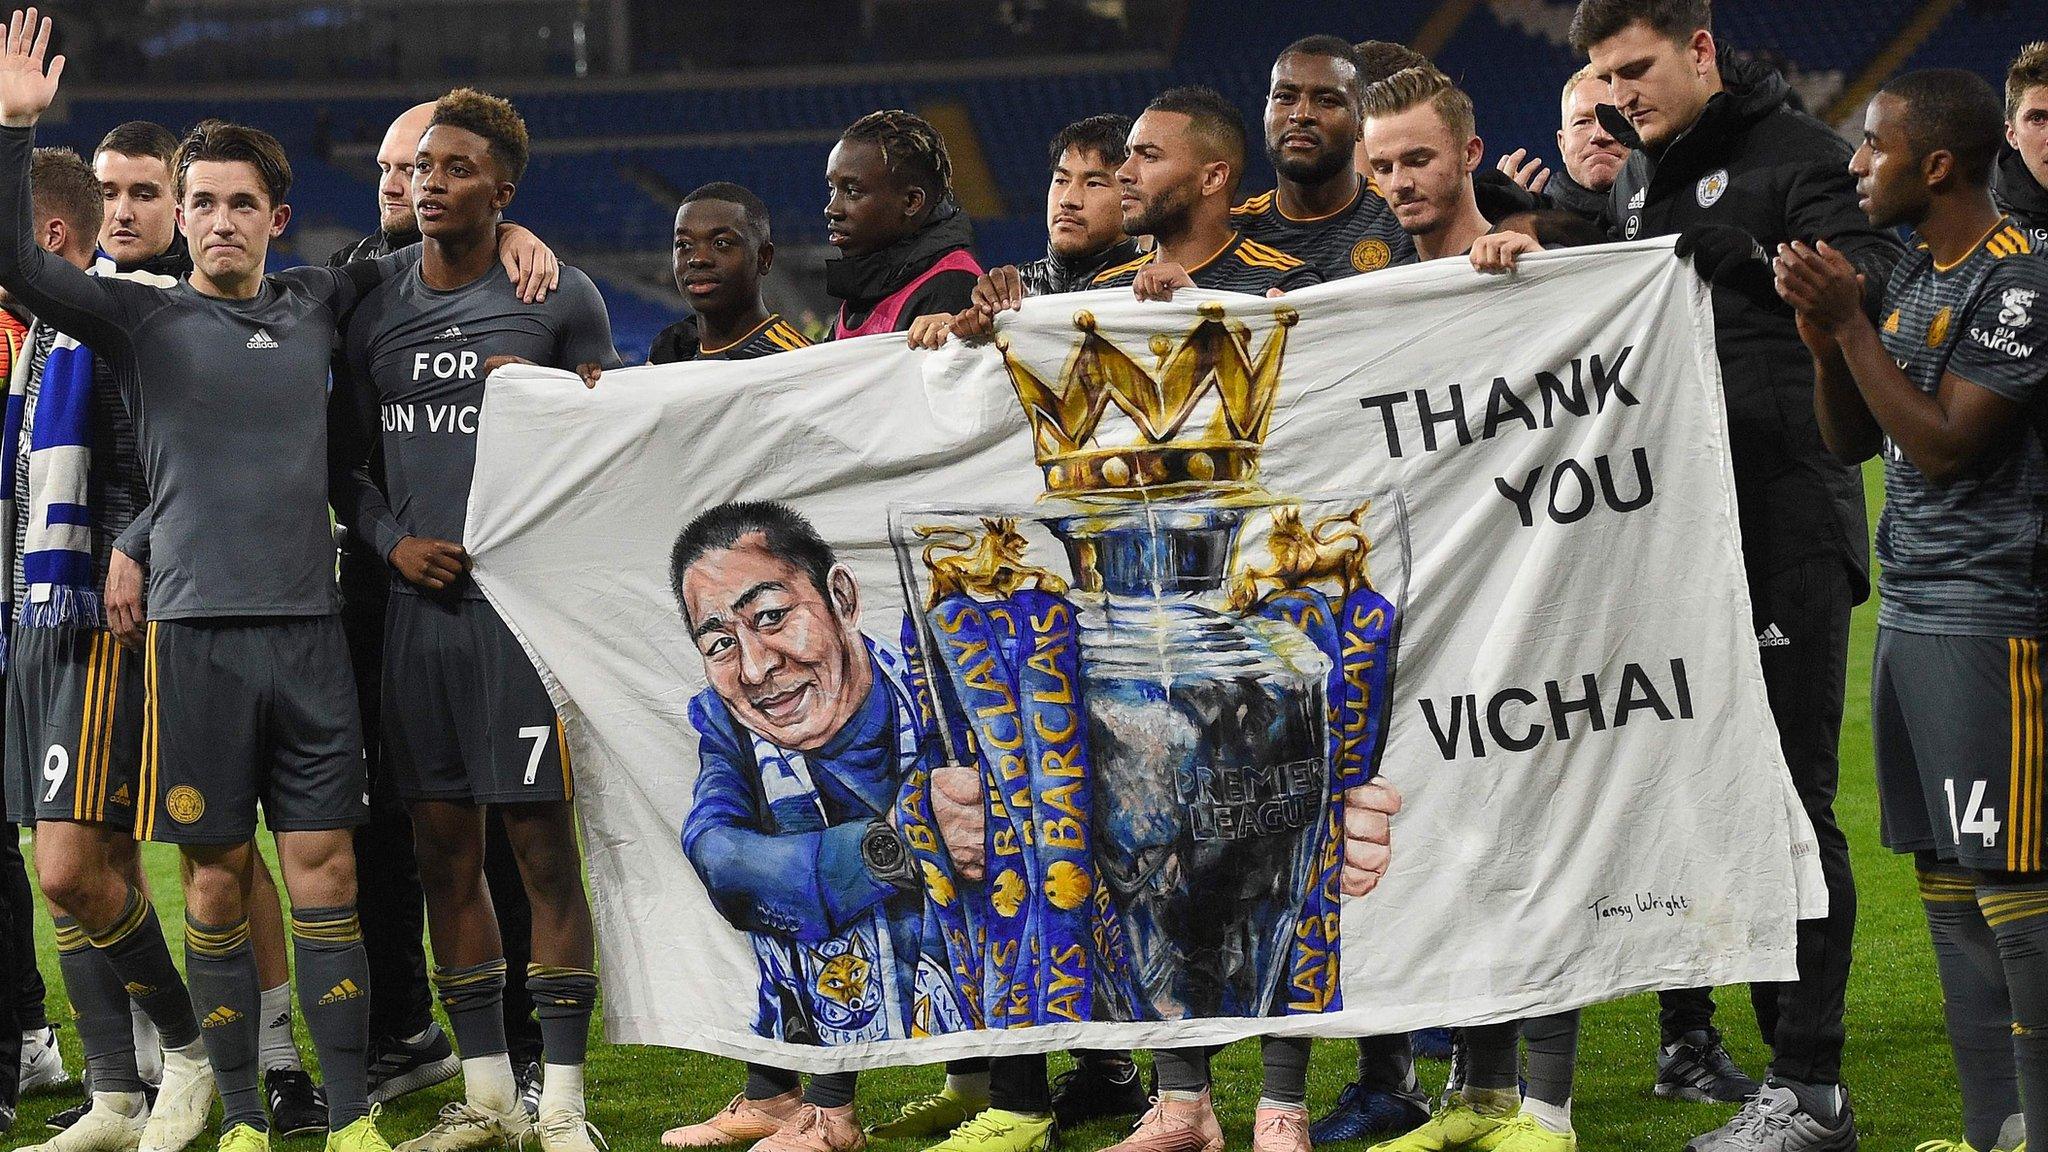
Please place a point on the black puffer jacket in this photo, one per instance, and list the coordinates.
(1569, 195)
(1053, 274)
(2014, 187)
(1751, 161)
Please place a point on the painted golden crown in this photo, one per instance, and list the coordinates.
(1197, 419)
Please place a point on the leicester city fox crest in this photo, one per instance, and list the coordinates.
(1711, 187)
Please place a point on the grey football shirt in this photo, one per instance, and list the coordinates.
(1966, 557)
(415, 374)
(231, 412)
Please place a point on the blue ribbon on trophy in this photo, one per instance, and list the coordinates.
(1049, 686)
(1165, 733)
(1358, 639)
(976, 646)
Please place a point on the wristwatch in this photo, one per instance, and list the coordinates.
(887, 857)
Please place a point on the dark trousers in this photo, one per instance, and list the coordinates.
(388, 896)
(22, 1007)
(24, 977)
(1805, 680)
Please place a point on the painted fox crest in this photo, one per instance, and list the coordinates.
(845, 978)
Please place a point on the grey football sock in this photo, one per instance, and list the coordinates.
(101, 1005)
(474, 998)
(134, 946)
(1387, 1062)
(831, 1089)
(1974, 1000)
(765, 1082)
(334, 994)
(563, 998)
(222, 965)
(1553, 1056)
(1181, 1069)
(1491, 1052)
(1286, 1063)
(2016, 908)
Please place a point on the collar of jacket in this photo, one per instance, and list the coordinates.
(1572, 196)
(1086, 268)
(863, 281)
(1749, 92)
(174, 261)
(2018, 191)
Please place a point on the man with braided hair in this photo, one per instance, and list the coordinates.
(904, 243)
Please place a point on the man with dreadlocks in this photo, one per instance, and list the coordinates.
(903, 240)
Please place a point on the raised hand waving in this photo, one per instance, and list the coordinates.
(26, 89)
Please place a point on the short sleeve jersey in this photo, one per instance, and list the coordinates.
(1966, 558)
(1363, 237)
(1243, 265)
(774, 335)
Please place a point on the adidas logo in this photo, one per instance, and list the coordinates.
(138, 990)
(1640, 198)
(346, 990)
(220, 1017)
(260, 340)
(453, 332)
(120, 795)
(1771, 637)
(282, 1020)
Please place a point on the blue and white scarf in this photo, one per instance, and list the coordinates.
(852, 987)
(57, 562)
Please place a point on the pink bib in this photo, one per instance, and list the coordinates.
(883, 318)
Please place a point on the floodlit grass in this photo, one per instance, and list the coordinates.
(1900, 1077)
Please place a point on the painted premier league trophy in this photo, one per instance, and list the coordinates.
(1165, 711)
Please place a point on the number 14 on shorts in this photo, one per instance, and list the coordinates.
(1973, 818)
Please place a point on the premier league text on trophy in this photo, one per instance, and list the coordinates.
(1516, 718)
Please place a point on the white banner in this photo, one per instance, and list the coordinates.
(1474, 533)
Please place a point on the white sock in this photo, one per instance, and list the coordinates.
(193, 1053)
(1491, 1101)
(1180, 1094)
(1269, 1102)
(487, 1083)
(2012, 1133)
(966, 1085)
(420, 1037)
(125, 1103)
(561, 1088)
(149, 1047)
(1554, 1117)
(277, 1049)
